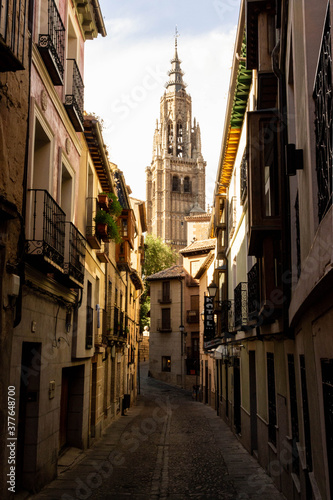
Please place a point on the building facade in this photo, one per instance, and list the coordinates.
(175, 180)
(272, 220)
(75, 249)
(14, 116)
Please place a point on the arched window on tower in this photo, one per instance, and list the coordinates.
(179, 140)
(175, 183)
(187, 185)
(153, 193)
(170, 138)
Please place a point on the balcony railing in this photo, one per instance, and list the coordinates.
(13, 34)
(253, 292)
(164, 298)
(227, 322)
(51, 45)
(192, 316)
(74, 95)
(241, 315)
(46, 233)
(163, 326)
(75, 249)
(323, 122)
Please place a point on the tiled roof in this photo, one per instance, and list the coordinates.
(171, 272)
(199, 246)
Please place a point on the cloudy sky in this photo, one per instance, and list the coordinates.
(125, 74)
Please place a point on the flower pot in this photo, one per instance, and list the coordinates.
(102, 230)
(103, 201)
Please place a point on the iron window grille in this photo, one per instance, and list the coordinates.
(89, 327)
(240, 294)
(253, 292)
(323, 121)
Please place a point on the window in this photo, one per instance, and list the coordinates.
(89, 318)
(166, 291)
(170, 138)
(268, 143)
(66, 191)
(166, 363)
(271, 398)
(166, 319)
(42, 158)
(187, 185)
(175, 183)
(179, 140)
(195, 302)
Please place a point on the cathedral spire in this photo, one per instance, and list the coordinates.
(175, 83)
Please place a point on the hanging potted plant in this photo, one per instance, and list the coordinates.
(106, 226)
(103, 200)
(114, 206)
(102, 219)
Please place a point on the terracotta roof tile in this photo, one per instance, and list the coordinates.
(199, 245)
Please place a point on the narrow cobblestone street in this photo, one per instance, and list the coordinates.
(167, 446)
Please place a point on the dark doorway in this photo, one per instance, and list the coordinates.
(71, 407)
(237, 397)
(28, 414)
(253, 401)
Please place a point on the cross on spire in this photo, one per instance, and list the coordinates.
(176, 36)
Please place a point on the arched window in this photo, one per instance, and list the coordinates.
(153, 190)
(187, 185)
(179, 140)
(175, 183)
(170, 138)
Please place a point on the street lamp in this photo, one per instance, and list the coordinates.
(212, 289)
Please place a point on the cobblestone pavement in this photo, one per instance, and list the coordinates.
(167, 447)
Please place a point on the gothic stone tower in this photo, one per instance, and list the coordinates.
(175, 181)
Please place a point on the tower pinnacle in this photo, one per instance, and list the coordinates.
(175, 83)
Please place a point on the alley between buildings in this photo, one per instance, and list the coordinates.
(167, 446)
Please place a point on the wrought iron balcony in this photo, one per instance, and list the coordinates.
(163, 326)
(192, 316)
(75, 250)
(164, 298)
(13, 34)
(227, 320)
(51, 45)
(253, 292)
(241, 314)
(46, 229)
(74, 95)
(323, 122)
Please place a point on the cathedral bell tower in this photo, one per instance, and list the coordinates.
(175, 180)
